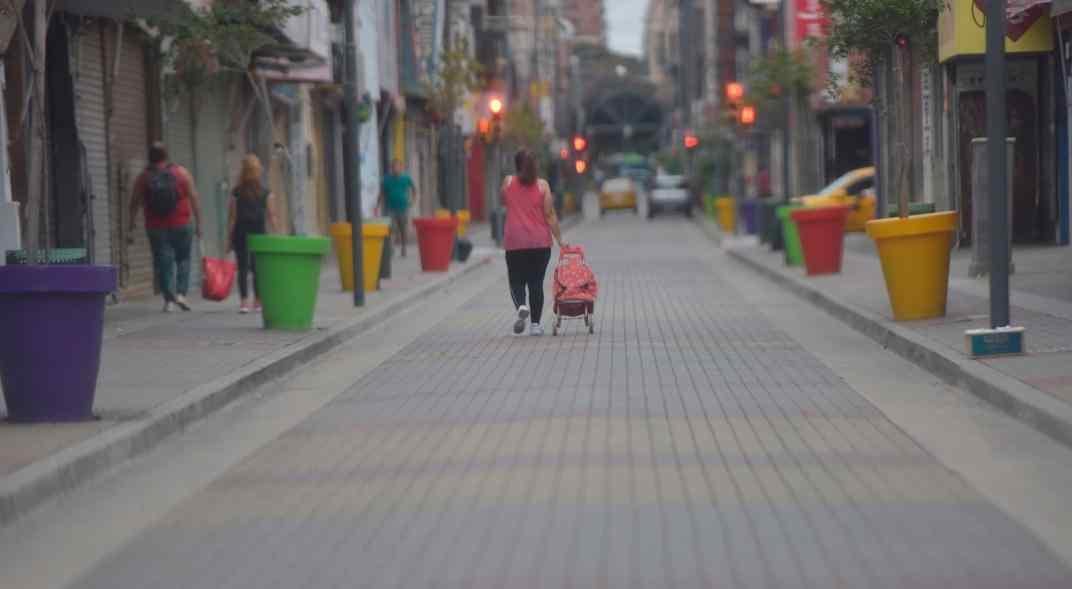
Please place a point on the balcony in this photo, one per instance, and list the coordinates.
(303, 53)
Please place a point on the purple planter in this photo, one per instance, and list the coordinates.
(50, 345)
(748, 209)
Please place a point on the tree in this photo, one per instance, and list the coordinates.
(887, 33)
(522, 127)
(780, 74)
(37, 210)
(225, 37)
(457, 75)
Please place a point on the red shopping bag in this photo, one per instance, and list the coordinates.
(218, 278)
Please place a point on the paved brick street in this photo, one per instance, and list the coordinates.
(691, 442)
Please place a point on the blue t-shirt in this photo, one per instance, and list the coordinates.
(396, 192)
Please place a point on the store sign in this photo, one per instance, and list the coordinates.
(1020, 15)
(810, 20)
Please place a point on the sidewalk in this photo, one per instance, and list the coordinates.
(160, 372)
(1036, 388)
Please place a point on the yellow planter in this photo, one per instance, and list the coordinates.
(915, 261)
(373, 236)
(463, 219)
(726, 210)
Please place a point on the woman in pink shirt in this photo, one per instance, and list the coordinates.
(531, 222)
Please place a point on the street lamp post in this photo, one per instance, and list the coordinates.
(996, 130)
(352, 152)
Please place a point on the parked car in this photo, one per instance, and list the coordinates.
(855, 189)
(670, 193)
(618, 193)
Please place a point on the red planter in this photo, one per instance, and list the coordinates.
(435, 239)
(822, 237)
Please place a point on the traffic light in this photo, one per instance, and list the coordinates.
(691, 141)
(564, 153)
(496, 107)
(734, 93)
(581, 166)
(483, 127)
(579, 144)
(747, 115)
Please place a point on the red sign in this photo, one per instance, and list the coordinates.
(1020, 15)
(810, 20)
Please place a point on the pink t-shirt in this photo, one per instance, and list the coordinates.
(526, 226)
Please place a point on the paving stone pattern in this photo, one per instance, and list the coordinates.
(688, 443)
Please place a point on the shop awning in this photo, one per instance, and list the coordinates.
(1061, 7)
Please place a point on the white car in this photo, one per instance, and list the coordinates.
(670, 193)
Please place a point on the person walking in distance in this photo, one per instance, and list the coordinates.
(168, 193)
(531, 222)
(252, 211)
(397, 196)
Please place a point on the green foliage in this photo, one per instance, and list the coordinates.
(870, 27)
(458, 74)
(223, 36)
(522, 127)
(777, 75)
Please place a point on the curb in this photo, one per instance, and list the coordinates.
(1029, 405)
(29, 487)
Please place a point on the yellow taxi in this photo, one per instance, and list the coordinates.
(618, 193)
(855, 189)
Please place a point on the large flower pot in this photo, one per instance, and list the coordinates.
(749, 212)
(288, 278)
(50, 342)
(373, 236)
(462, 215)
(790, 239)
(822, 237)
(726, 210)
(435, 240)
(915, 262)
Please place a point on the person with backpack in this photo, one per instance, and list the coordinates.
(252, 212)
(169, 195)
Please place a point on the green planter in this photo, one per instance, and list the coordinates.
(288, 278)
(794, 255)
(914, 208)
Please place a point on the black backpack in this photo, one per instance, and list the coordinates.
(162, 193)
(251, 212)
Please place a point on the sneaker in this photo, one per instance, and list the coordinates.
(182, 303)
(522, 316)
(168, 307)
(536, 329)
(243, 310)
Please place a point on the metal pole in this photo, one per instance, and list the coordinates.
(786, 133)
(684, 71)
(351, 152)
(996, 129)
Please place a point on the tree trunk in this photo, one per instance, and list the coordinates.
(37, 203)
(902, 99)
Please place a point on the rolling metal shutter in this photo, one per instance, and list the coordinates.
(92, 131)
(130, 133)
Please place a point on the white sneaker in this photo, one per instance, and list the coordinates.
(522, 316)
(168, 307)
(536, 329)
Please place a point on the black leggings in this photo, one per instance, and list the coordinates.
(527, 268)
(246, 267)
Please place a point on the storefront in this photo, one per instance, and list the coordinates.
(1030, 112)
(1061, 13)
